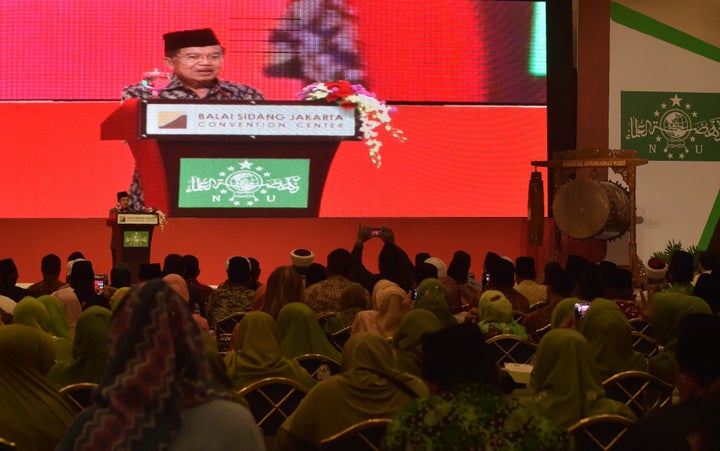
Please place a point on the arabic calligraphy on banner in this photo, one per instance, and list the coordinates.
(671, 126)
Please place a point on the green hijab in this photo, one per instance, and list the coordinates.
(609, 336)
(300, 333)
(408, 340)
(567, 384)
(433, 295)
(256, 354)
(668, 310)
(90, 350)
(562, 310)
(57, 321)
(495, 311)
(33, 414)
(31, 312)
(362, 391)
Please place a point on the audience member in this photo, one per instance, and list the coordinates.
(157, 392)
(368, 387)
(300, 333)
(576, 265)
(284, 286)
(459, 280)
(149, 271)
(567, 384)
(502, 279)
(433, 295)
(255, 353)
(495, 316)
(559, 286)
(31, 312)
(173, 264)
(698, 369)
(353, 300)
(7, 306)
(550, 267)
(50, 283)
(82, 282)
(178, 284)
(667, 309)
(525, 283)
(466, 409)
(424, 270)
(680, 272)
(89, 351)
(324, 296)
(707, 285)
(609, 336)
(255, 270)
(120, 277)
(57, 321)
(300, 260)
(199, 292)
(8, 280)
(619, 288)
(389, 304)
(33, 414)
(234, 295)
(315, 273)
(407, 341)
(393, 263)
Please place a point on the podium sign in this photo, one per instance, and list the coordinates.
(138, 218)
(232, 158)
(247, 120)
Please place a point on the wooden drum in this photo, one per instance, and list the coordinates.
(585, 208)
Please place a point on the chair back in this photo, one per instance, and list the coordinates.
(641, 391)
(313, 364)
(518, 316)
(642, 326)
(600, 432)
(539, 333)
(79, 394)
(363, 436)
(272, 400)
(644, 344)
(511, 348)
(537, 306)
(339, 338)
(224, 329)
(6, 445)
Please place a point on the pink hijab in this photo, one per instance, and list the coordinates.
(390, 304)
(178, 284)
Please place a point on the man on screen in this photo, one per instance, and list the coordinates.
(195, 58)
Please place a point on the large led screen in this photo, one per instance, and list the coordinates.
(467, 79)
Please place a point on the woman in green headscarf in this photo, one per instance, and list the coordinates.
(301, 333)
(90, 350)
(407, 342)
(667, 311)
(33, 414)
(368, 387)
(31, 312)
(495, 315)
(255, 353)
(58, 325)
(353, 299)
(609, 335)
(433, 295)
(567, 384)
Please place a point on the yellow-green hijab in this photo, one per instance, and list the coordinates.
(33, 414)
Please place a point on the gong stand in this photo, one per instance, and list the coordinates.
(566, 165)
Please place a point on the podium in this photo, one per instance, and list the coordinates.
(232, 159)
(135, 238)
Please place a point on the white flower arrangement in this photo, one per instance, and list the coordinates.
(373, 112)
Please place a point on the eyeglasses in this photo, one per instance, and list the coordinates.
(194, 58)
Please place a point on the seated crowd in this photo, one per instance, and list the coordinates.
(412, 344)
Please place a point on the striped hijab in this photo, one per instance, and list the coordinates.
(158, 367)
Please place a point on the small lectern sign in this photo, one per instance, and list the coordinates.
(136, 239)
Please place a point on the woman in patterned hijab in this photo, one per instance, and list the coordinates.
(158, 387)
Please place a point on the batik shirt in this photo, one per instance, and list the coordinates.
(324, 296)
(226, 301)
(176, 90)
(473, 417)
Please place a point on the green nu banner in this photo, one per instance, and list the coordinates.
(244, 183)
(671, 126)
(136, 238)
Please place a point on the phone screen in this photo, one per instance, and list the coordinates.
(580, 309)
(376, 232)
(99, 285)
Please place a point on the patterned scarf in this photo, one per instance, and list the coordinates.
(158, 367)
